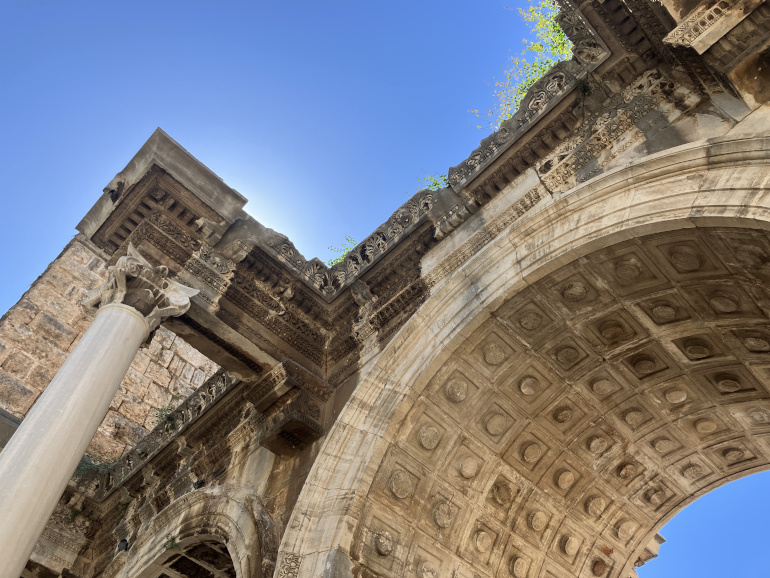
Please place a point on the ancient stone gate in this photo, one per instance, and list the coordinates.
(524, 374)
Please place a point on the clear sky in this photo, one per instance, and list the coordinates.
(325, 115)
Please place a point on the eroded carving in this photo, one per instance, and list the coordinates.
(135, 282)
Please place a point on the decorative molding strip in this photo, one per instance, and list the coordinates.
(589, 51)
(481, 239)
(708, 23)
(169, 428)
(331, 281)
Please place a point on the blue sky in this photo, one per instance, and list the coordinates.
(325, 115)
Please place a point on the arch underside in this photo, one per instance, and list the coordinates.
(599, 365)
(215, 532)
(588, 409)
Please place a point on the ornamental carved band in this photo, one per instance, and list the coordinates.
(134, 282)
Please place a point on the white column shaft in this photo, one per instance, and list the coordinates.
(42, 455)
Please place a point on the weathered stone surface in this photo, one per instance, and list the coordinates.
(47, 323)
(47, 326)
(18, 364)
(122, 429)
(14, 397)
(531, 371)
(157, 396)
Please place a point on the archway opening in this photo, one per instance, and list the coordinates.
(723, 533)
(558, 432)
(206, 558)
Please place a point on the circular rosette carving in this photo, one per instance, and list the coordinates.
(518, 566)
(531, 320)
(426, 570)
(383, 543)
(429, 437)
(532, 453)
(502, 493)
(469, 467)
(483, 541)
(603, 387)
(494, 354)
(537, 521)
(443, 513)
(456, 390)
(401, 484)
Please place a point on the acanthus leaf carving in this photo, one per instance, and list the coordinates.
(133, 281)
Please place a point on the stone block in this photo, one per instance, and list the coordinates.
(157, 396)
(187, 372)
(23, 312)
(181, 388)
(189, 353)
(135, 382)
(82, 276)
(164, 337)
(13, 332)
(199, 376)
(18, 364)
(158, 374)
(79, 254)
(44, 351)
(133, 409)
(154, 348)
(56, 277)
(41, 375)
(121, 396)
(176, 366)
(122, 430)
(61, 301)
(141, 361)
(164, 357)
(53, 329)
(104, 447)
(14, 397)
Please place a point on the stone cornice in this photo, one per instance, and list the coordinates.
(546, 116)
(313, 392)
(563, 79)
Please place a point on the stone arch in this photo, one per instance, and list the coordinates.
(200, 555)
(230, 515)
(722, 183)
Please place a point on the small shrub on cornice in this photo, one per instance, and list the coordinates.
(346, 248)
(547, 44)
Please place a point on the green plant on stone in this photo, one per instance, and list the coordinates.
(90, 465)
(434, 182)
(549, 46)
(73, 514)
(170, 542)
(343, 251)
(165, 415)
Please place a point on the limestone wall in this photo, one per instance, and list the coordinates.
(37, 334)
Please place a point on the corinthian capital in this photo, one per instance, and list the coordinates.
(135, 282)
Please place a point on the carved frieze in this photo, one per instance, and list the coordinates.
(589, 50)
(705, 25)
(172, 426)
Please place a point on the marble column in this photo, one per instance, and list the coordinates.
(42, 455)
